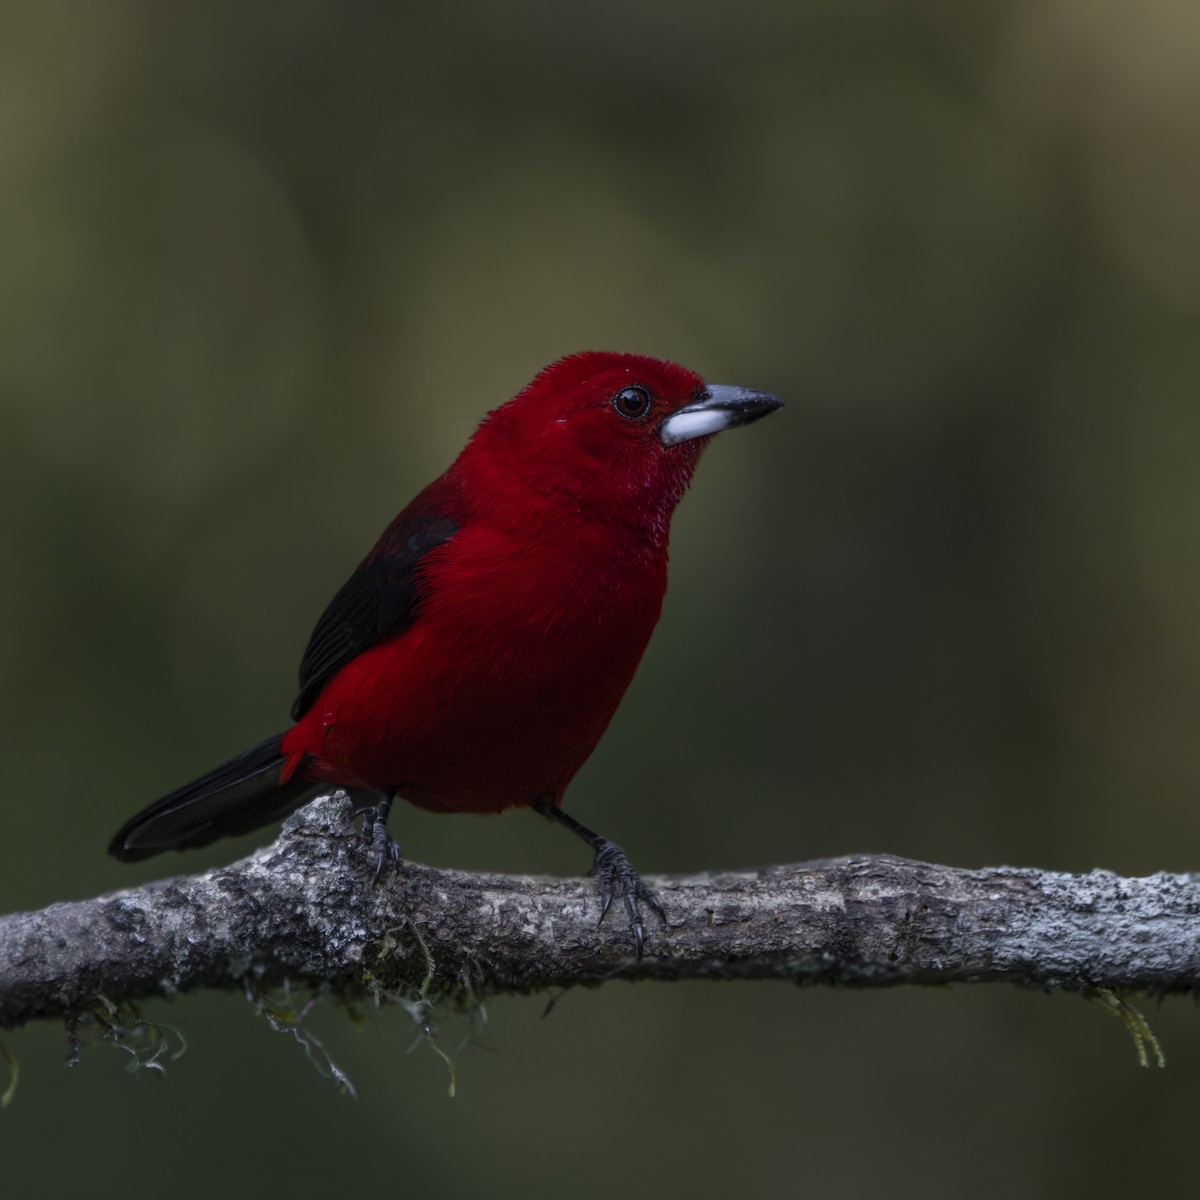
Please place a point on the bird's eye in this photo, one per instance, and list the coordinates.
(632, 402)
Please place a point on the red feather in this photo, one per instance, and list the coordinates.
(532, 618)
(475, 657)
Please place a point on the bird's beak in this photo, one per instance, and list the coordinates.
(720, 407)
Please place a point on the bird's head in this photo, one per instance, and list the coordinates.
(616, 434)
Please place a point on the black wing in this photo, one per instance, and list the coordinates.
(375, 603)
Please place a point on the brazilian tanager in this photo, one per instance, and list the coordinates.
(474, 658)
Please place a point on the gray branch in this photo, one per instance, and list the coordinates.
(304, 911)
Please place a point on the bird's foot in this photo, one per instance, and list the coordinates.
(375, 833)
(614, 875)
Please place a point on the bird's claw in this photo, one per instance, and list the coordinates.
(380, 842)
(614, 874)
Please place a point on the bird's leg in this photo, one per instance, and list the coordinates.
(612, 871)
(375, 832)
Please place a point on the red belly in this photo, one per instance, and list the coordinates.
(478, 709)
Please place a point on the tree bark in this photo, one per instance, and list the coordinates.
(304, 911)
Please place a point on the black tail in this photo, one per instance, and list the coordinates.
(234, 798)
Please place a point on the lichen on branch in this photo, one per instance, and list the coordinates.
(304, 911)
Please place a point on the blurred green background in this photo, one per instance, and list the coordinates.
(263, 267)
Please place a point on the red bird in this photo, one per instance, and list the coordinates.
(474, 658)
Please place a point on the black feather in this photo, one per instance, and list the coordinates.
(232, 799)
(377, 602)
